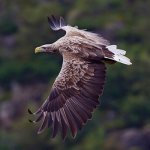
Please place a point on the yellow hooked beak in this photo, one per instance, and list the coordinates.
(38, 49)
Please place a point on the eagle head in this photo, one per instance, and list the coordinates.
(49, 48)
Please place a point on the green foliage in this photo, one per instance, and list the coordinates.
(7, 27)
(27, 71)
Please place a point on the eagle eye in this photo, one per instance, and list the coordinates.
(44, 47)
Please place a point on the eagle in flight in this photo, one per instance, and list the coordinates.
(76, 90)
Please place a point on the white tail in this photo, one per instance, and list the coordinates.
(118, 55)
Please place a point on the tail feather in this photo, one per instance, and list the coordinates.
(118, 55)
(122, 59)
(113, 49)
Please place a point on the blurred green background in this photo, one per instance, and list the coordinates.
(122, 121)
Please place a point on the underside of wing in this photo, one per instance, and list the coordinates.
(73, 97)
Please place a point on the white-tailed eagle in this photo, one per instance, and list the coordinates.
(76, 90)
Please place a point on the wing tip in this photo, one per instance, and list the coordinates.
(56, 24)
(39, 131)
(30, 112)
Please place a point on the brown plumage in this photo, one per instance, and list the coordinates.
(76, 90)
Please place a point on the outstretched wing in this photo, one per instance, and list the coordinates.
(57, 24)
(73, 97)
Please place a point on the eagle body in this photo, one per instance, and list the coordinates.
(77, 88)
